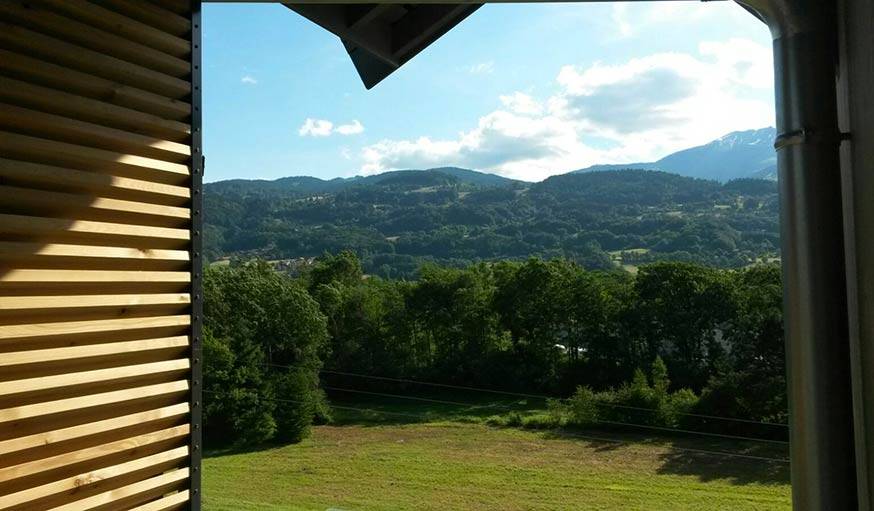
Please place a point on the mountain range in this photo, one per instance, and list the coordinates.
(710, 208)
(737, 155)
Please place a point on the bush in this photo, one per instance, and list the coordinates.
(322, 414)
(514, 419)
(660, 381)
(634, 403)
(742, 396)
(583, 407)
(678, 405)
(542, 421)
(640, 403)
(557, 410)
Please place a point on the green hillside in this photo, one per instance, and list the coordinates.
(398, 220)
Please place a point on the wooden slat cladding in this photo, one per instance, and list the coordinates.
(32, 16)
(62, 128)
(96, 233)
(25, 68)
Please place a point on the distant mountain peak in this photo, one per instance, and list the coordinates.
(746, 136)
(739, 154)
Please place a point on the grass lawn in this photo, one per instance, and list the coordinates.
(449, 461)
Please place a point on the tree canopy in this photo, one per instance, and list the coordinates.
(675, 336)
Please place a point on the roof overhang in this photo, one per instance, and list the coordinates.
(380, 38)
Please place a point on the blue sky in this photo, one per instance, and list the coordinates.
(523, 90)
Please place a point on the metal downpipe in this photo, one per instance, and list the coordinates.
(814, 281)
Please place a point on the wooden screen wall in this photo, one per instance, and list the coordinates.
(98, 250)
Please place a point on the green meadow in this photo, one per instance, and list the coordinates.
(433, 456)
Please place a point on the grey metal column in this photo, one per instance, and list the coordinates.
(814, 281)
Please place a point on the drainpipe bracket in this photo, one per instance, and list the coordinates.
(790, 138)
(805, 136)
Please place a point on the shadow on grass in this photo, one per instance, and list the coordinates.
(233, 450)
(369, 411)
(709, 459)
(737, 470)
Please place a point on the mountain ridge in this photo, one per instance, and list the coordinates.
(736, 155)
(600, 220)
(310, 184)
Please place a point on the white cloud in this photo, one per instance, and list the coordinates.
(630, 20)
(315, 128)
(516, 144)
(748, 64)
(323, 128)
(521, 103)
(620, 18)
(482, 68)
(249, 80)
(638, 110)
(353, 128)
(672, 12)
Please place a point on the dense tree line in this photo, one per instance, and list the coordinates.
(674, 337)
(398, 221)
(263, 339)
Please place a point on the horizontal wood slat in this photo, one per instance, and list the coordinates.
(149, 485)
(96, 252)
(18, 275)
(32, 15)
(89, 158)
(40, 176)
(92, 428)
(93, 208)
(54, 462)
(56, 127)
(178, 6)
(150, 14)
(91, 110)
(122, 26)
(98, 64)
(76, 482)
(61, 229)
(90, 350)
(91, 326)
(115, 373)
(83, 256)
(103, 398)
(169, 502)
(22, 67)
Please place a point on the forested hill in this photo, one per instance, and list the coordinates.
(296, 185)
(399, 220)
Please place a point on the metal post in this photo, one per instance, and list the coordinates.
(814, 282)
(856, 118)
(197, 162)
